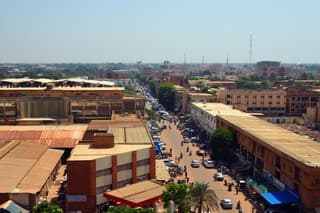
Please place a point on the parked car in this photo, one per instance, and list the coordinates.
(274, 211)
(203, 146)
(218, 176)
(195, 164)
(200, 152)
(226, 203)
(186, 140)
(208, 163)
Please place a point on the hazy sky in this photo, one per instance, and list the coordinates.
(156, 30)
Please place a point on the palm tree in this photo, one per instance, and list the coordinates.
(203, 198)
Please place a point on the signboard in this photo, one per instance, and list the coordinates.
(76, 198)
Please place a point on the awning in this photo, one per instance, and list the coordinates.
(137, 195)
(157, 148)
(282, 197)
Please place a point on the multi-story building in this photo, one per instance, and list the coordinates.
(189, 97)
(64, 104)
(299, 98)
(114, 154)
(27, 171)
(178, 99)
(270, 102)
(205, 114)
(267, 69)
(275, 154)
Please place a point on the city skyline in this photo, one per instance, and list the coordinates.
(129, 31)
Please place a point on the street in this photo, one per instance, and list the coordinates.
(172, 138)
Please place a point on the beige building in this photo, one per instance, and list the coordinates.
(270, 102)
(190, 97)
(114, 154)
(27, 171)
(288, 161)
(205, 114)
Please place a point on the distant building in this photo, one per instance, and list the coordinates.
(50, 104)
(299, 98)
(27, 171)
(268, 69)
(115, 153)
(270, 102)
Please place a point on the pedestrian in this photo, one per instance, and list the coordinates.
(181, 155)
(178, 160)
(186, 174)
(187, 180)
(171, 150)
(181, 143)
(187, 149)
(237, 189)
(225, 182)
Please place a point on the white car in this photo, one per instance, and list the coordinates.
(195, 164)
(218, 176)
(226, 204)
(274, 211)
(208, 163)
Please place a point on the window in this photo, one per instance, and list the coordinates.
(143, 162)
(103, 189)
(278, 162)
(124, 167)
(124, 182)
(103, 172)
(297, 173)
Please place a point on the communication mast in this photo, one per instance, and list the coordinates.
(250, 51)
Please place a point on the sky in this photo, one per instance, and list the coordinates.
(151, 31)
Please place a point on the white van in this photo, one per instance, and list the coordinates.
(156, 138)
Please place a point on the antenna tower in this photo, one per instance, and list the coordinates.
(250, 51)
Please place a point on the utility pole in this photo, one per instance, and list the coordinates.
(250, 52)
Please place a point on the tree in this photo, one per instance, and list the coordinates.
(177, 193)
(123, 209)
(265, 84)
(221, 141)
(203, 198)
(166, 95)
(46, 207)
(152, 86)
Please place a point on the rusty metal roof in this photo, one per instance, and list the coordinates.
(54, 136)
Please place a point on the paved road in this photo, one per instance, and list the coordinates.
(173, 139)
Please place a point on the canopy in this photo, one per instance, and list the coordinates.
(157, 148)
(282, 197)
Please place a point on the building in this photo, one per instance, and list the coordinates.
(275, 154)
(189, 97)
(205, 114)
(299, 98)
(178, 99)
(27, 171)
(115, 153)
(40, 105)
(267, 69)
(269, 102)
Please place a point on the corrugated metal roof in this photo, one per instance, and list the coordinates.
(53, 136)
(25, 167)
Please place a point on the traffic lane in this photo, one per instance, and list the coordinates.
(173, 138)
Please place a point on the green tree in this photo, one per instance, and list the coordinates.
(123, 209)
(151, 114)
(45, 207)
(177, 193)
(266, 84)
(221, 141)
(202, 198)
(152, 86)
(166, 95)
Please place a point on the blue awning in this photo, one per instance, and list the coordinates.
(157, 148)
(282, 197)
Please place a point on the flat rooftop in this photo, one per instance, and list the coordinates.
(278, 139)
(127, 138)
(216, 109)
(200, 94)
(62, 89)
(25, 167)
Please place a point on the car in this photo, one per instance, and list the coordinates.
(273, 211)
(208, 163)
(203, 146)
(195, 164)
(218, 176)
(200, 152)
(226, 203)
(195, 139)
(186, 140)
